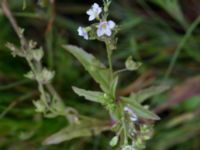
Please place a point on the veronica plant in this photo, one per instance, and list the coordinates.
(128, 118)
(127, 115)
(49, 103)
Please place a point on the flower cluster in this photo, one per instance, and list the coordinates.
(127, 147)
(103, 28)
(133, 117)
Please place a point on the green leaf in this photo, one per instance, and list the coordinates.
(96, 69)
(93, 96)
(85, 128)
(114, 86)
(114, 141)
(131, 65)
(143, 95)
(139, 109)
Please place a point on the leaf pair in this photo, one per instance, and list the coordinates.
(98, 72)
(101, 75)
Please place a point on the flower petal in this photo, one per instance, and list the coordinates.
(91, 17)
(80, 31)
(111, 24)
(95, 6)
(100, 32)
(85, 36)
(108, 32)
(89, 12)
(99, 10)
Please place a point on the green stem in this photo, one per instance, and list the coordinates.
(120, 71)
(109, 55)
(125, 132)
(36, 68)
(123, 122)
(40, 86)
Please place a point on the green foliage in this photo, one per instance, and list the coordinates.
(114, 85)
(131, 65)
(94, 96)
(84, 128)
(145, 94)
(147, 33)
(114, 141)
(139, 109)
(123, 110)
(96, 69)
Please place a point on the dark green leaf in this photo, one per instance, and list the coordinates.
(139, 109)
(143, 95)
(93, 96)
(96, 69)
(85, 128)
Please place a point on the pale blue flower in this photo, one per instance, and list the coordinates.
(94, 12)
(105, 28)
(128, 147)
(82, 32)
(133, 116)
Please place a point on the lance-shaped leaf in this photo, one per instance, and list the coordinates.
(139, 109)
(114, 86)
(93, 96)
(96, 69)
(143, 95)
(85, 128)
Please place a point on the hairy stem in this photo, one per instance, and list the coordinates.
(40, 86)
(109, 56)
(125, 142)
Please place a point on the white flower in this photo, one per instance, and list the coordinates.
(105, 28)
(94, 11)
(127, 147)
(82, 32)
(133, 116)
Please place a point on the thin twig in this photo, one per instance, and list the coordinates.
(8, 14)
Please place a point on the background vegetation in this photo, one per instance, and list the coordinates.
(163, 34)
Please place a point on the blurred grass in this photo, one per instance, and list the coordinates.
(151, 31)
